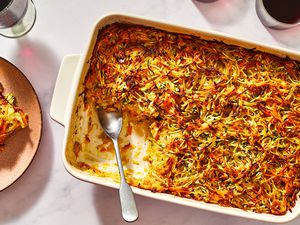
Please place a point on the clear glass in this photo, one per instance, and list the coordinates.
(270, 21)
(207, 1)
(17, 18)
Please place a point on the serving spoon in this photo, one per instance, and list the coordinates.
(111, 123)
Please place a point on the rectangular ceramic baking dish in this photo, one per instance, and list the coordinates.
(73, 70)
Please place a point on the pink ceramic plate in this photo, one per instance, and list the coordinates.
(21, 146)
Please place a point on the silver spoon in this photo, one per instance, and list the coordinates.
(111, 123)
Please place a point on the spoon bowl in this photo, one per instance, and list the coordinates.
(111, 122)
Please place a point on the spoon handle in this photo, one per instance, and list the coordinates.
(128, 206)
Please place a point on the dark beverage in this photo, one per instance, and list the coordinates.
(3, 4)
(285, 11)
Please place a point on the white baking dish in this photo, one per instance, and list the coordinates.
(72, 72)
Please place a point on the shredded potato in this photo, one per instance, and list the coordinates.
(11, 117)
(224, 121)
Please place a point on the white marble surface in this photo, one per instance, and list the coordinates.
(46, 193)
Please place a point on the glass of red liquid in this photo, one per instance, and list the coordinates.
(278, 14)
(17, 17)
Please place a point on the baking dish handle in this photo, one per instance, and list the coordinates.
(62, 88)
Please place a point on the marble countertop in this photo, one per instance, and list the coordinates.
(46, 193)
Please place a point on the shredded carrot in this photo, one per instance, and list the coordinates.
(11, 117)
(224, 120)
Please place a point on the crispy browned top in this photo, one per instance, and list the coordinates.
(224, 120)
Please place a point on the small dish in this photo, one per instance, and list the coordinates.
(21, 147)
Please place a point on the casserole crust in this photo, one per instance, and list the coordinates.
(202, 120)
